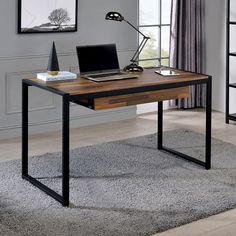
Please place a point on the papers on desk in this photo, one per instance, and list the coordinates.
(62, 75)
(166, 72)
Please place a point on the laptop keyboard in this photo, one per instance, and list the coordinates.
(105, 75)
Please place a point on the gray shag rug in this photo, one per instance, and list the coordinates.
(120, 188)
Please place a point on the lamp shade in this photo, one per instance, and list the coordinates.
(116, 16)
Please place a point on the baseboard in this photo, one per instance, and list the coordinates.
(75, 122)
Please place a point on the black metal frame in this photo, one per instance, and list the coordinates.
(43, 32)
(66, 99)
(207, 163)
(64, 198)
(229, 54)
(227, 63)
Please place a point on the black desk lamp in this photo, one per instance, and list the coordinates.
(133, 67)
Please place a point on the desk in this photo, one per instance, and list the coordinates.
(149, 87)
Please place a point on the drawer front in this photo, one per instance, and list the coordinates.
(140, 98)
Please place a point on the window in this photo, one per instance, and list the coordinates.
(154, 21)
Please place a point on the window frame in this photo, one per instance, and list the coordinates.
(160, 26)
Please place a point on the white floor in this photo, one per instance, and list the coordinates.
(221, 225)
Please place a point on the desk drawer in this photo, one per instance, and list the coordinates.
(134, 99)
(139, 98)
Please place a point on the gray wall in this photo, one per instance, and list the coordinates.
(216, 49)
(22, 56)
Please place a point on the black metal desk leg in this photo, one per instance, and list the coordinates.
(64, 199)
(160, 125)
(65, 149)
(207, 162)
(24, 129)
(208, 123)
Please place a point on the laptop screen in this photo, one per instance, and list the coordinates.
(95, 58)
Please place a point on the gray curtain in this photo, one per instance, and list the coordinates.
(187, 46)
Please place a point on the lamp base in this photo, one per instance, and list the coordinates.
(133, 67)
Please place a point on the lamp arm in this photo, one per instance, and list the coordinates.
(134, 27)
(139, 49)
(142, 44)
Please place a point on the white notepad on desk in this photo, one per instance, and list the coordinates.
(166, 72)
(62, 75)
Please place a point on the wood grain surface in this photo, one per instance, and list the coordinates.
(147, 78)
(139, 98)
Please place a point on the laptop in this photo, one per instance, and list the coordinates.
(100, 63)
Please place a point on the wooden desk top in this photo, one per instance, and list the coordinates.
(148, 78)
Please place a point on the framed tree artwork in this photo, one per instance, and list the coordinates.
(47, 16)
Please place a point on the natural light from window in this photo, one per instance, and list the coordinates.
(154, 21)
